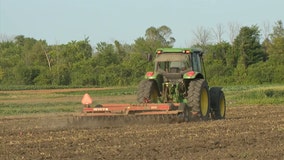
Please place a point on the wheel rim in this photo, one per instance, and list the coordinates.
(222, 106)
(204, 102)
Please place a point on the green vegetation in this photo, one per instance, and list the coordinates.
(245, 60)
(246, 64)
(105, 92)
(255, 95)
(29, 108)
(23, 102)
(36, 87)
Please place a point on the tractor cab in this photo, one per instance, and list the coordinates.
(174, 63)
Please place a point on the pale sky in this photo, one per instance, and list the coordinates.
(61, 21)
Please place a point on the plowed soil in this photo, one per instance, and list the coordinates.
(248, 132)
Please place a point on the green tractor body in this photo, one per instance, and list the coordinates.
(179, 78)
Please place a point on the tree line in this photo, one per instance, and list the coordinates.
(244, 60)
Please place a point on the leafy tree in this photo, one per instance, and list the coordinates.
(160, 36)
(26, 45)
(45, 77)
(142, 46)
(10, 54)
(154, 38)
(33, 62)
(65, 61)
(218, 67)
(278, 30)
(276, 47)
(82, 73)
(134, 68)
(247, 46)
(100, 75)
(220, 51)
(29, 59)
(275, 51)
(1, 73)
(81, 70)
(105, 54)
(265, 45)
(121, 50)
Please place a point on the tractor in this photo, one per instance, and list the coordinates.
(177, 88)
(179, 78)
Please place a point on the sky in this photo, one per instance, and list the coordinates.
(63, 21)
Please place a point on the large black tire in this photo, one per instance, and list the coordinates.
(218, 103)
(198, 98)
(147, 92)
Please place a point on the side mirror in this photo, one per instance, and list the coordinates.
(149, 57)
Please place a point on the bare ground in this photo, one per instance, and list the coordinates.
(248, 132)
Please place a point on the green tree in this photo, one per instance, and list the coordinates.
(26, 44)
(276, 47)
(134, 68)
(32, 59)
(82, 73)
(278, 30)
(247, 46)
(260, 73)
(1, 74)
(66, 62)
(121, 50)
(219, 51)
(105, 54)
(276, 53)
(154, 38)
(10, 54)
(218, 66)
(100, 75)
(81, 69)
(160, 36)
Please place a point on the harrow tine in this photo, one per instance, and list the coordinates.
(118, 120)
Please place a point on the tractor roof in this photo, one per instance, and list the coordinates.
(171, 57)
(178, 50)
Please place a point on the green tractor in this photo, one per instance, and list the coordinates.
(179, 79)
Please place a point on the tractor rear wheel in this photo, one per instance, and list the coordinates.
(218, 103)
(198, 98)
(147, 92)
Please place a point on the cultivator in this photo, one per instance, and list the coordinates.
(132, 113)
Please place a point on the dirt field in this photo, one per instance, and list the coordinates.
(255, 132)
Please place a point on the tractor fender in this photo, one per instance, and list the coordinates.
(193, 75)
